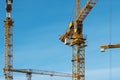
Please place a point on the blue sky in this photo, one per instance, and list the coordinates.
(37, 27)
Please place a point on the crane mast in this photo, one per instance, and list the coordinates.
(74, 37)
(8, 41)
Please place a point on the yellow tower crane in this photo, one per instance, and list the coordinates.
(74, 37)
(8, 41)
(29, 73)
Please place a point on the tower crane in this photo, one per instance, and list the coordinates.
(8, 68)
(8, 41)
(29, 73)
(74, 37)
(104, 47)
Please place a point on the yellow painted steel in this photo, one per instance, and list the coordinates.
(103, 47)
(71, 25)
(8, 42)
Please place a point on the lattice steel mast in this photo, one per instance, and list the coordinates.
(78, 48)
(8, 41)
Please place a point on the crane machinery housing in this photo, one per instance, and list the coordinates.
(74, 37)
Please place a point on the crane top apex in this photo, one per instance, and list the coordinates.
(9, 1)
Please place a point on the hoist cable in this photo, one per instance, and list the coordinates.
(110, 21)
(110, 65)
(110, 38)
